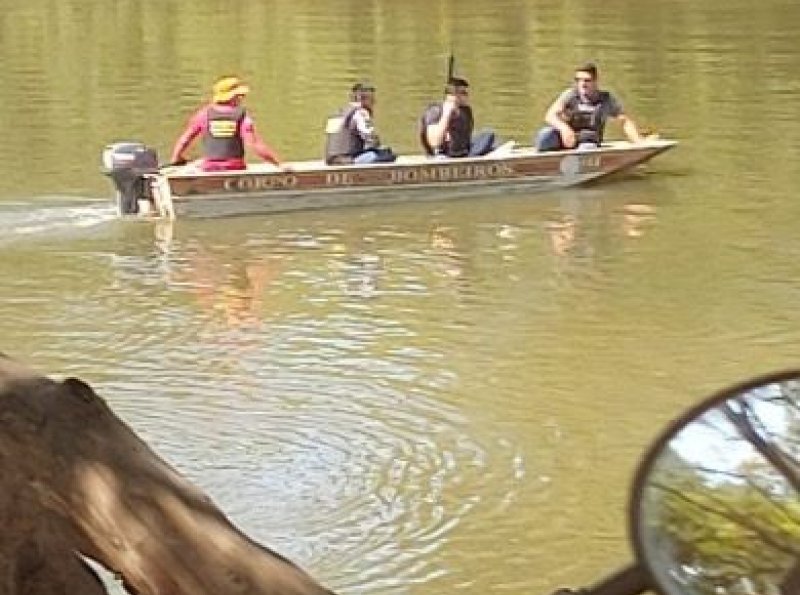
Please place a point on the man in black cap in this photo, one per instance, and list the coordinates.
(350, 134)
(446, 127)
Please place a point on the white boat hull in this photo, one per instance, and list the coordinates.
(263, 189)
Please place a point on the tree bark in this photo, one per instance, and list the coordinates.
(75, 480)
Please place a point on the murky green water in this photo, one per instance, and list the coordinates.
(408, 399)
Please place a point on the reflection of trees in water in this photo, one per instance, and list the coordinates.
(728, 526)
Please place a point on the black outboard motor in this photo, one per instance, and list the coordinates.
(126, 163)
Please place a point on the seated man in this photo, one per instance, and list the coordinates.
(578, 116)
(350, 135)
(225, 127)
(446, 127)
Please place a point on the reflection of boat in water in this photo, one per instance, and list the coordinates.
(261, 188)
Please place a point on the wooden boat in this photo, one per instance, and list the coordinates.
(183, 191)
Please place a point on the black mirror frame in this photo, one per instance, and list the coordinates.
(657, 447)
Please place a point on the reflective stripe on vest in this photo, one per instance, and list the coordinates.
(223, 136)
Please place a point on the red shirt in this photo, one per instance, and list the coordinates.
(198, 124)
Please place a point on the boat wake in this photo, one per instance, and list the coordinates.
(51, 215)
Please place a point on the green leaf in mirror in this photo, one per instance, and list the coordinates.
(716, 503)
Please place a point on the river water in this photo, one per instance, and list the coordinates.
(409, 399)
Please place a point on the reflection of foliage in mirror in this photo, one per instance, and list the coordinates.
(721, 507)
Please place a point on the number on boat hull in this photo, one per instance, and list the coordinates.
(573, 165)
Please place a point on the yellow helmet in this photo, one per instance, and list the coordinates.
(227, 88)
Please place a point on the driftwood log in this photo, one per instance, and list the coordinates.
(76, 481)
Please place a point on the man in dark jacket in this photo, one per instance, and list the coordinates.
(446, 127)
(350, 135)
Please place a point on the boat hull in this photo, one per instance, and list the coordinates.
(263, 189)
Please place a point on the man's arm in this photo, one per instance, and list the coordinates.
(365, 128)
(255, 142)
(436, 132)
(555, 118)
(630, 129)
(628, 125)
(193, 128)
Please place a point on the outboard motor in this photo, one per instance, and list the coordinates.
(126, 163)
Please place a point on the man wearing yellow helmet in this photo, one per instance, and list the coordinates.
(225, 128)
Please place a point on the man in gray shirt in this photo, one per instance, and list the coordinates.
(578, 116)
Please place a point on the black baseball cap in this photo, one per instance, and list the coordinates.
(363, 87)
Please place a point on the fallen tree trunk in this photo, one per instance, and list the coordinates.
(74, 479)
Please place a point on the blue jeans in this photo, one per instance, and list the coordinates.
(549, 139)
(382, 155)
(481, 143)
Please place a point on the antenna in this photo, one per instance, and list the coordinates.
(451, 67)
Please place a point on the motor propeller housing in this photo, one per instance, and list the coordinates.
(126, 163)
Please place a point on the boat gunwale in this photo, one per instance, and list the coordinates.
(414, 161)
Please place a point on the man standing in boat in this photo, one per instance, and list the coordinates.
(446, 127)
(350, 135)
(577, 118)
(226, 128)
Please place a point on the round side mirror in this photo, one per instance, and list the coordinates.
(715, 507)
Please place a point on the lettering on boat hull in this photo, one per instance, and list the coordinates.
(256, 183)
(452, 172)
(434, 173)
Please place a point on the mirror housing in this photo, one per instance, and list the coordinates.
(715, 505)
